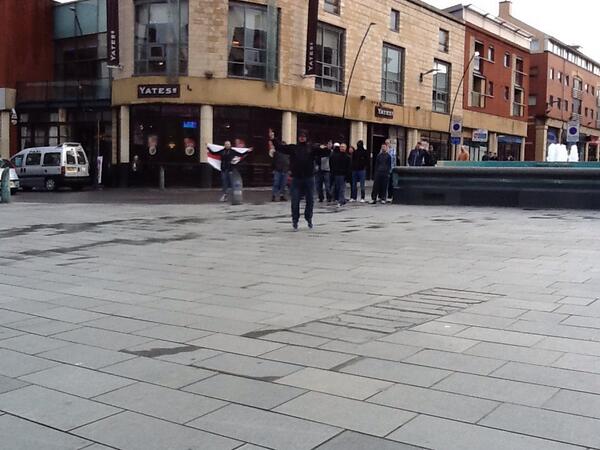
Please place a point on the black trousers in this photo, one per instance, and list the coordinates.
(380, 186)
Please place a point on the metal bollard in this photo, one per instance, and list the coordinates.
(5, 186)
(161, 178)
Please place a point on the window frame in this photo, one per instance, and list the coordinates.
(395, 17)
(436, 92)
(444, 46)
(332, 7)
(384, 81)
(341, 51)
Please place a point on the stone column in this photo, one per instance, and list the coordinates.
(124, 147)
(206, 137)
(493, 143)
(586, 155)
(4, 134)
(541, 142)
(357, 133)
(522, 153)
(289, 127)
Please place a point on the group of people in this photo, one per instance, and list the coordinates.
(422, 155)
(327, 168)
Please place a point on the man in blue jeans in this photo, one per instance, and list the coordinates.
(360, 162)
(302, 156)
(281, 165)
(323, 174)
(340, 169)
(226, 168)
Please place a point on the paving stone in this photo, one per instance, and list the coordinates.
(435, 403)
(288, 337)
(345, 413)
(72, 315)
(265, 428)
(455, 361)
(32, 344)
(52, 408)
(76, 380)
(15, 364)
(567, 345)
(497, 389)
(556, 330)
(160, 402)
(550, 376)
(236, 344)
(546, 424)
(21, 434)
(246, 391)
(110, 340)
(304, 356)
(349, 440)
(582, 363)
(133, 431)
(545, 317)
(7, 317)
(439, 327)
(247, 366)
(431, 341)
(120, 324)
(191, 358)
(433, 432)
(342, 333)
(375, 349)
(43, 326)
(344, 385)
(478, 320)
(158, 372)
(6, 333)
(500, 336)
(10, 384)
(579, 403)
(218, 325)
(172, 333)
(396, 372)
(86, 356)
(514, 353)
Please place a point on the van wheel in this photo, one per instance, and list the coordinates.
(50, 184)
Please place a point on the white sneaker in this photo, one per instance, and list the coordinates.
(383, 202)
(223, 198)
(362, 200)
(351, 200)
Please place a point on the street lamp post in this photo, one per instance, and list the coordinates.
(354, 67)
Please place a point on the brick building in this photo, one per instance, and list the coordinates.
(238, 68)
(565, 86)
(496, 85)
(25, 55)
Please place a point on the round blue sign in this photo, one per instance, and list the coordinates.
(573, 130)
(456, 126)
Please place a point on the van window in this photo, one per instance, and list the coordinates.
(71, 157)
(18, 160)
(33, 159)
(52, 159)
(81, 157)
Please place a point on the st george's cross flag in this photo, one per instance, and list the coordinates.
(214, 155)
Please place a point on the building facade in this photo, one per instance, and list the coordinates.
(197, 72)
(496, 86)
(26, 54)
(565, 87)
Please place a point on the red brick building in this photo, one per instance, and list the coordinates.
(565, 87)
(496, 85)
(25, 55)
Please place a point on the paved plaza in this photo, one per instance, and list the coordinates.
(175, 326)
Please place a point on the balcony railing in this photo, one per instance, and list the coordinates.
(64, 91)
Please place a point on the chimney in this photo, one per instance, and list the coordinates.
(505, 9)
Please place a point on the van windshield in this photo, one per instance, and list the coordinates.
(81, 158)
(71, 157)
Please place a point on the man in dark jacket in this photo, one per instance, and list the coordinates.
(340, 168)
(416, 157)
(281, 166)
(383, 167)
(226, 168)
(360, 162)
(302, 156)
(323, 174)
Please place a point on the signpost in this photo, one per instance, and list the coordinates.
(573, 132)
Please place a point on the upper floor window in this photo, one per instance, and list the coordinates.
(330, 58)
(578, 84)
(491, 53)
(443, 40)
(567, 82)
(551, 76)
(249, 33)
(332, 6)
(161, 37)
(507, 60)
(395, 20)
(441, 87)
(391, 74)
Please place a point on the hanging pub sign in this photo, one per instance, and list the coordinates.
(112, 27)
(158, 91)
(383, 112)
(311, 38)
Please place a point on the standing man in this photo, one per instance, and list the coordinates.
(281, 165)
(360, 162)
(416, 158)
(393, 155)
(302, 156)
(340, 169)
(226, 168)
(463, 155)
(383, 166)
(430, 159)
(323, 176)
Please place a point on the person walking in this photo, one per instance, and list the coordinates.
(340, 169)
(383, 166)
(463, 155)
(416, 157)
(323, 172)
(360, 162)
(281, 166)
(302, 157)
(226, 168)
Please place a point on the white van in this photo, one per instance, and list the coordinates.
(53, 167)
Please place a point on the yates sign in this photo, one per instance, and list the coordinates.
(112, 27)
(158, 91)
(311, 38)
(382, 111)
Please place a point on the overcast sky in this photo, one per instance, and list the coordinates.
(577, 20)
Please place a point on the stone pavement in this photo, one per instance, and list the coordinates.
(173, 326)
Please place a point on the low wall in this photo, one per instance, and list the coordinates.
(528, 187)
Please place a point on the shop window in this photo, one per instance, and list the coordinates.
(441, 87)
(161, 37)
(438, 144)
(330, 58)
(395, 20)
(249, 35)
(332, 6)
(392, 74)
(443, 40)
